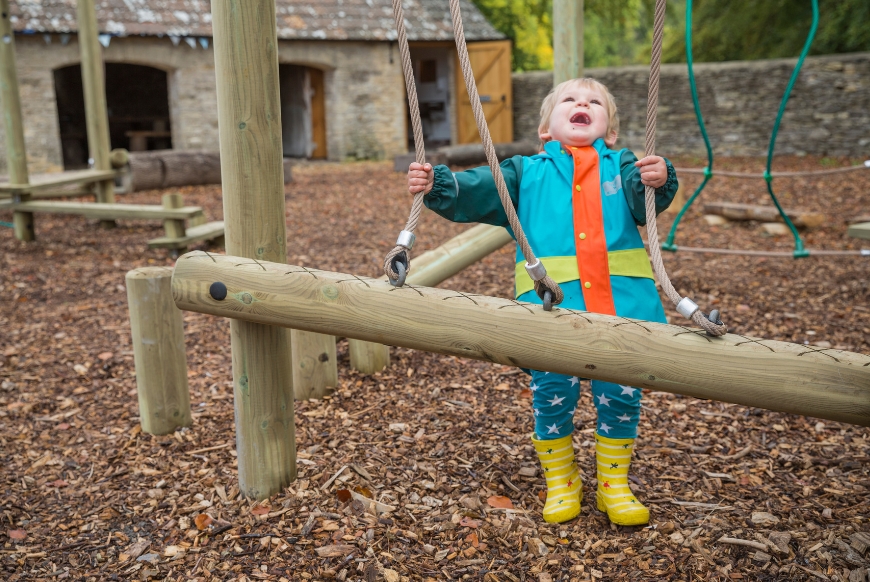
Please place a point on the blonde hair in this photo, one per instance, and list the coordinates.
(550, 103)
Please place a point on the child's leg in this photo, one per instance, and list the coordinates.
(554, 399)
(618, 415)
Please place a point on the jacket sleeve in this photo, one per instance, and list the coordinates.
(634, 189)
(471, 196)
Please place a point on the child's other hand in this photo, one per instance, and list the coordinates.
(653, 171)
(420, 178)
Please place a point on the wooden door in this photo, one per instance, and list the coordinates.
(318, 114)
(491, 63)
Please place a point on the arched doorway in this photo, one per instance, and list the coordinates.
(137, 98)
(303, 112)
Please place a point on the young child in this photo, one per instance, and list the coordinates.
(579, 202)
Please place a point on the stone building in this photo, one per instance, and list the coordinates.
(342, 90)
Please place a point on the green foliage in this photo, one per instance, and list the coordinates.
(751, 29)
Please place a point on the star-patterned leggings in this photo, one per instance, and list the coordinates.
(555, 396)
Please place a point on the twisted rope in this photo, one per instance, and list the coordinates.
(546, 283)
(715, 329)
(419, 148)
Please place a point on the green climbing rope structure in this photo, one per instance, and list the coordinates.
(799, 250)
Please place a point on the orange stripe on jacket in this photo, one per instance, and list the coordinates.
(589, 232)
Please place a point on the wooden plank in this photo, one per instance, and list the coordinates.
(94, 86)
(491, 63)
(46, 181)
(252, 174)
(208, 231)
(109, 211)
(860, 230)
(158, 351)
(736, 211)
(430, 269)
(567, 40)
(16, 151)
(785, 377)
(318, 114)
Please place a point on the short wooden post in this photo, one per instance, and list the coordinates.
(567, 40)
(158, 351)
(368, 357)
(252, 173)
(315, 371)
(16, 151)
(96, 111)
(174, 227)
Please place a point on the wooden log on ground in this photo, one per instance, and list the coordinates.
(785, 377)
(158, 351)
(96, 110)
(16, 151)
(430, 269)
(860, 230)
(174, 168)
(735, 211)
(472, 154)
(249, 125)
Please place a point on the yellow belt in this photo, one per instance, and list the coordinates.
(628, 263)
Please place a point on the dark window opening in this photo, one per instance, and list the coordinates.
(137, 98)
(303, 112)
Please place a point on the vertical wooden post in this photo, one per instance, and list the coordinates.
(96, 111)
(16, 151)
(174, 227)
(567, 40)
(315, 370)
(158, 351)
(252, 171)
(368, 357)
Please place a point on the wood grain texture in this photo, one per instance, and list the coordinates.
(252, 174)
(430, 269)
(315, 370)
(13, 122)
(110, 211)
(94, 85)
(567, 40)
(157, 330)
(823, 383)
(861, 230)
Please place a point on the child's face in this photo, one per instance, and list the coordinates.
(579, 117)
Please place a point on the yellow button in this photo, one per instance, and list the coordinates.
(563, 151)
(578, 187)
(582, 236)
(587, 284)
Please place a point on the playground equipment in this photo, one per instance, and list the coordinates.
(768, 176)
(21, 191)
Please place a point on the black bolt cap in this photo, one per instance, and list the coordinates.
(218, 291)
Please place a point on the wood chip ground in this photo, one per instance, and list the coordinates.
(84, 495)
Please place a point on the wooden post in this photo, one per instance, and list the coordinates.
(252, 173)
(16, 151)
(567, 40)
(315, 371)
(158, 351)
(780, 376)
(430, 269)
(96, 111)
(173, 227)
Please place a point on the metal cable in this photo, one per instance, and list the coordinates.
(712, 328)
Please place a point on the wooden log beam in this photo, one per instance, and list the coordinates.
(430, 269)
(860, 230)
(252, 175)
(567, 40)
(96, 110)
(157, 330)
(823, 383)
(16, 151)
(737, 211)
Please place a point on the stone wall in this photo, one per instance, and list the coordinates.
(828, 112)
(363, 84)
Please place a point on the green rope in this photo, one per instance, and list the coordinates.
(799, 251)
(7, 224)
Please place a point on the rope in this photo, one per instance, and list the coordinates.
(768, 176)
(712, 328)
(402, 252)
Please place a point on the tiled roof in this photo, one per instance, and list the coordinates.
(297, 19)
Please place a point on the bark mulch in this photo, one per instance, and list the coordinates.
(84, 495)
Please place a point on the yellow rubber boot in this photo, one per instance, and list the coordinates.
(564, 488)
(614, 496)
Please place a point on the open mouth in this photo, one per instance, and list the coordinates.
(581, 119)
